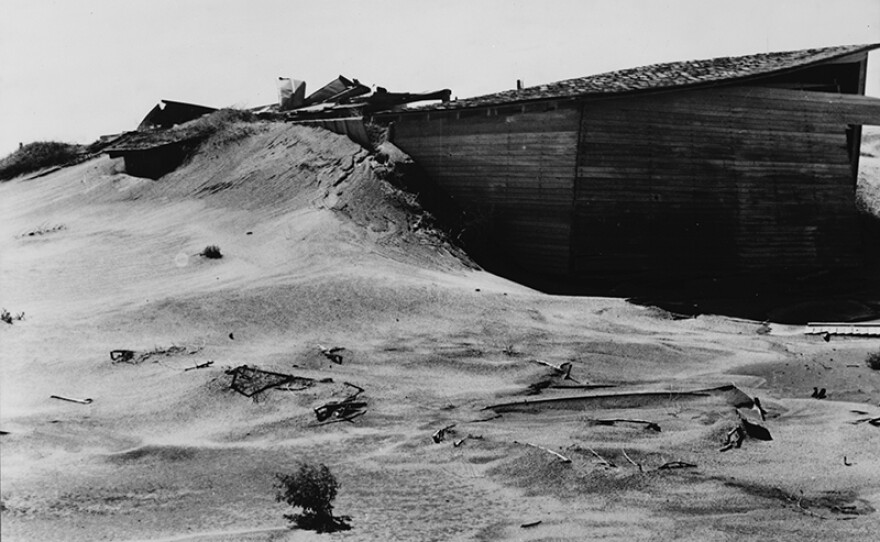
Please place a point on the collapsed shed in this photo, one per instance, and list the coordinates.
(730, 165)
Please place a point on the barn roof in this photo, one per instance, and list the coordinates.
(664, 76)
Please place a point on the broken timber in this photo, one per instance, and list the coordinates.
(728, 394)
(343, 410)
(249, 381)
(652, 426)
(440, 434)
(563, 370)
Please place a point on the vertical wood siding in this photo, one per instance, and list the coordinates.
(712, 181)
(515, 171)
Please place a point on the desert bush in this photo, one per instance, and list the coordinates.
(212, 252)
(311, 488)
(873, 361)
(37, 155)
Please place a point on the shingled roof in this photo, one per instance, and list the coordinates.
(663, 76)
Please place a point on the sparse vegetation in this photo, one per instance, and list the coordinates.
(44, 229)
(873, 361)
(211, 252)
(311, 488)
(225, 126)
(36, 156)
(8, 317)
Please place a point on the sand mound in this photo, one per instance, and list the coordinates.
(318, 249)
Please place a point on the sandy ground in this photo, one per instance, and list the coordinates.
(316, 251)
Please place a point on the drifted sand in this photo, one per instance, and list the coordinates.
(333, 257)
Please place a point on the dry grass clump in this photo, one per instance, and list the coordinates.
(36, 156)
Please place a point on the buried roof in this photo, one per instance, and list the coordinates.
(670, 75)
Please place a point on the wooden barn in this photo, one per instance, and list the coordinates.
(730, 165)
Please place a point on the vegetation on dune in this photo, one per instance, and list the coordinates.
(873, 361)
(223, 126)
(311, 488)
(36, 156)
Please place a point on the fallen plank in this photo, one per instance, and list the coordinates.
(530, 524)
(728, 394)
(80, 401)
(676, 465)
(653, 426)
(199, 366)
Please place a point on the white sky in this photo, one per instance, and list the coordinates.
(72, 70)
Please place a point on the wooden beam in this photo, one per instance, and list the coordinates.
(850, 108)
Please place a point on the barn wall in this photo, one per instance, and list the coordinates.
(717, 180)
(514, 169)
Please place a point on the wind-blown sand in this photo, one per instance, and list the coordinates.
(318, 250)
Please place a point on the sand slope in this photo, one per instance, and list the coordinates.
(318, 250)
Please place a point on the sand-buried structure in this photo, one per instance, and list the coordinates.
(721, 166)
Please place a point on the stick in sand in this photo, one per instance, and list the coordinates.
(548, 450)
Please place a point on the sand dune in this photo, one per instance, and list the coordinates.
(318, 250)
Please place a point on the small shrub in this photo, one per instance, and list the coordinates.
(212, 252)
(6, 316)
(873, 361)
(311, 488)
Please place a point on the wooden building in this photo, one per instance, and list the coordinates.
(729, 165)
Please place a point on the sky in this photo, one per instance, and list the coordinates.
(72, 70)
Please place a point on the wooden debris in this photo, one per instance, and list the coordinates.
(602, 459)
(530, 524)
(80, 401)
(344, 410)
(250, 381)
(648, 424)
(548, 450)
(122, 356)
(563, 369)
(735, 438)
(872, 421)
(440, 434)
(676, 465)
(760, 408)
(754, 430)
(200, 366)
(460, 441)
(628, 458)
(347, 418)
(332, 353)
(490, 418)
